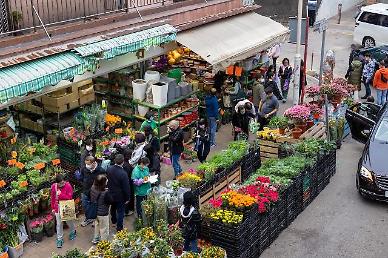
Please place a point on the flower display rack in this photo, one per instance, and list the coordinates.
(69, 153)
(268, 149)
(258, 230)
(250, 163)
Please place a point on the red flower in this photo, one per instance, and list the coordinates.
(216, 203)
(263, 179)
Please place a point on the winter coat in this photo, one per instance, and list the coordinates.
(275, 89)
(85, 154)
(176, 141)
(202, 141)
(354, 74)
(104, 201)
(66, 194)
(137, 154)
(258, 92)
(118, 184)
(380, 80)
(285, 74)
(241, 121)
(212, 106)
(87, 178)
(152, 148)
(141, 188)
(190, 222)
(369, 70)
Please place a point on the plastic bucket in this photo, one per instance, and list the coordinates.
(151, 75)
(142, 110)
(176, 74)
(139, 89)
(159, 93)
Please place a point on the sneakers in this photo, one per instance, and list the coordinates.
(95, 240)
(59, 243)
(73, 235)
(213, 146)
(86, 222)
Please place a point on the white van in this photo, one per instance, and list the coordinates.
(372, 25)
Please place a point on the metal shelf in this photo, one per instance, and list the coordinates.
(146, 104)
(165, 120)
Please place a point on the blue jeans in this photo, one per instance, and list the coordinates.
(139, 199)
(117, 214)
(213, 129)
(367, 88)
(381, 96)
(85, 203)
(175, 164)
(191, 245)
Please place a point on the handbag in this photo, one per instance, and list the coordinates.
(66, 208)
(91, 210)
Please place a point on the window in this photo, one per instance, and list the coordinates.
(384, 20)
(372, 18)
(382, 131)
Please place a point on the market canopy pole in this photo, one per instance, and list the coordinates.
(297, 55)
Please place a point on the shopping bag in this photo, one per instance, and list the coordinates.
(67, 210)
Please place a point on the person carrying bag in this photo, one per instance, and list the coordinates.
(63, 206)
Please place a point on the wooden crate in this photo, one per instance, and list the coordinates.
(216, 190)
(268, 149)
(318, 131)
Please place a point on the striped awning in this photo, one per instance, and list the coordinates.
(33, 76)
(129, 43)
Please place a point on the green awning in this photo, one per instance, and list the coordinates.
(33, 76)
(129, 43)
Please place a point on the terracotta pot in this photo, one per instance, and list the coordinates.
(178, 251)
(4, 255)
(296, 133)
(282, 131)
(310, 123)
(303, 127)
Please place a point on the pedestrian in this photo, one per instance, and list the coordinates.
(302, 79)
(61, 190)
(88, 175)
(353, 52)
(202, 140)
(354, 74)
(240, 122)
(139, 151)
(140, 177)
(99, 195)
(130, 206)
(268, 107)
(237, 92)
(152, 149)
(118, 185)
(270, 70)
(150, 121)
(312, 11)
(367, 74)
(258, 91)
(212, 107)
(380, 82)
(285, 73)
(274, 53)
(273, 85)
(89, 150)
(175, 140)
(190, 223)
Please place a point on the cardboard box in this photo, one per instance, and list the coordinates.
(60, 101)
(86, 90)
(29, 106)
(86, 99)
(26, 122)
(64, 108)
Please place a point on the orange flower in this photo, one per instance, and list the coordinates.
(23, 184)
(238, 200)
(2, 183)
(14, 154)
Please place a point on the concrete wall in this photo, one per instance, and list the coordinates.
(279, 10)
(329, 8)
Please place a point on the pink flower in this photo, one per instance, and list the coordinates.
(216, 203)
(313, 91)
(298, 112)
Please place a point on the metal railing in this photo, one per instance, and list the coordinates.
(20, 16)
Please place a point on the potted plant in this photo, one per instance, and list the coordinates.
(15, 248)
(299, 114)
(44, 199)
(175, 239)
(36, 227)
(279, 122)
(4, 238)
(48, 225)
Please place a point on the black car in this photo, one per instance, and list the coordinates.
(378, 53)
(368, 124)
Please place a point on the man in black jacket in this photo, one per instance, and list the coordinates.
(88, 173)
(175, 140)
(152, 148)
(118, 185)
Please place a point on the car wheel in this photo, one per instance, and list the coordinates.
(368, 42)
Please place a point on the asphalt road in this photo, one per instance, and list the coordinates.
(339, 222)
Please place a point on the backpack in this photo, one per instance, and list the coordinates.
(189, 230)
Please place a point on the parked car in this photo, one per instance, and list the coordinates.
(368, 124)
(377, 53)
(372, 25)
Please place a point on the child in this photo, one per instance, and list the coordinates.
(190, 223)
(99, 194)
(140, 176)
(61, 191)
(202, 141)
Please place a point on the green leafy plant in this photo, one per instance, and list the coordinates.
(278, 122)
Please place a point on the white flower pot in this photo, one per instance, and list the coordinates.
(152, 75)
(139, 89)
(159, 93)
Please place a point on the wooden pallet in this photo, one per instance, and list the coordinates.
(318, 131)
(268, 149)
(220, 186)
